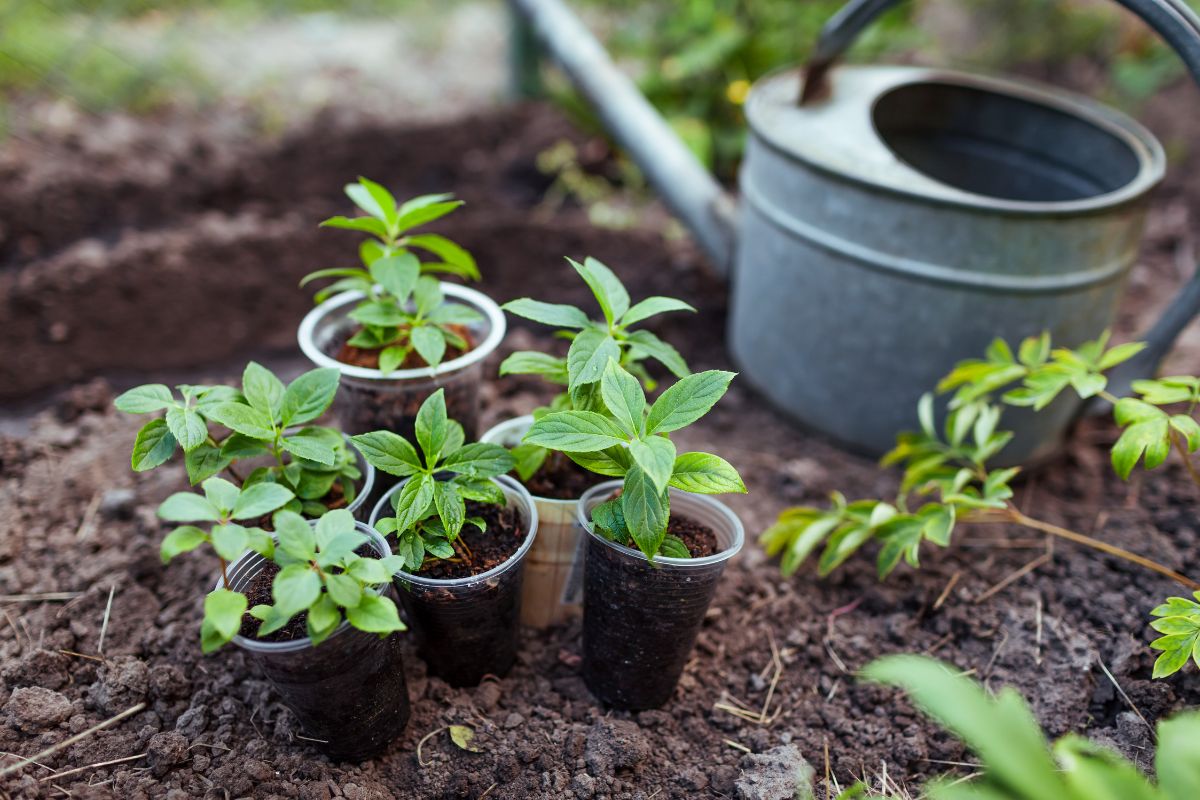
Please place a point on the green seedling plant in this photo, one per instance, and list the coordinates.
(946, 480)
(403, 309)
(266, 420)
(430, 509)
(1016, 760)
(593, 344)
(629, 438)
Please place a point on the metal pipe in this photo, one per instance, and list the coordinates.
(671, 168)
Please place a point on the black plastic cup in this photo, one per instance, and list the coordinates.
(368, 400)
(640, 621)
(349, 692)
(467, 628)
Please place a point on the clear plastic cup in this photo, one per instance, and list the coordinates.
(348, 692)
(640, 621)
(467, 628)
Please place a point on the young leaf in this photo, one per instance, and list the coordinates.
(624, 398)
(589, 354)
(365, 224)
(373, 199)
(429, 344)
(413, 501)
(310, 446)
(450, 508)
(652, 306)
(221, 493)
(448, 251)
(375, 614)
(153, 445)
(704, 473)
(688, 400)
(145, 399)
(262, 390)
(526, 362)
(431, 427)
(397, 274)
(230, 541)
(574, 432)
(223, 610)
(259, 499)
(529, 459)
(308, 396)
(656, 456)
(604, 283)
(673, 547)
(644, 344)
(555, 314)
(388, 452)
(414, 216)
(244, 419)
(183, 539)
(188, 507)
(296, 537)
(204, 462)
(645, 510)
(480, 460)
(296, 587)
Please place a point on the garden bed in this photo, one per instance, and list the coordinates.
(98, 268)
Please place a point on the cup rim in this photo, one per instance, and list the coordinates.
(506, 483)
(481, 301)
(734, 522)
(294, 645)
(522, 423)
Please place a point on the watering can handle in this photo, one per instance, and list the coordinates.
(1179, 27)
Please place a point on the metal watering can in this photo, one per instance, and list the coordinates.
(894, 220)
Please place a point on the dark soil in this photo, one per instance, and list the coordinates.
(363, 357)
(95, 254)
(699, 539)
(483, 550)
(560, 478)
(259, 593)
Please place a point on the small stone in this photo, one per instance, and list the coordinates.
(165, 751)
(614, 745)
(124, 681)
(584, 785)
(780, 773)
(168, 682)
(117, 503)
(513, 720)
(192, 722)
(35, 709)
(43, 668)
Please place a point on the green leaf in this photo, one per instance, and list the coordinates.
(307, 397)
(221, 493)
(687, 401)
(223, 610)
(609, 520)
(1120, 353)
(673, 547)
(296, 587)
(1035, 350)
(413, 501)
(259, 499)
(145, 399)
(410, 548)
(705, 473)
(204, 462)
(183, 539)
(431, 427)
(262, 390)
(397, 274)
(375, 614)
(365, 224)
(589, 355)
(555, 314)
(310, 446)
(230, 541)
(1095, 772)
(462, 736)
(381, 314)
(656, 457)
(646, 511)
(343, 590)
(358, 275)
(644, 344)
(454, 314)
(392, 357)
(653, 306)
(429, 343)
(480, 460)
(607, 288)
(1177, 760)
(1147, 433)
(373, 199)
(526, 362)
(388, 452)
(188, 507)
(482, 492)
(613, 461)
(450, 508)
(528, 459)
(296, 537)
(369, 571)
(449, 252)
(153, 445)
(574, 432)
(416, 216)
(244, 419)
(1189, 429)
(323, 619)
(624, 397)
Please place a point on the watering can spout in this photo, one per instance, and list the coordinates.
(671, 168)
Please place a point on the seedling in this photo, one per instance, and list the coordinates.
(263, 418)
(951, 466)
(431, 507)
(628, 439)
(1017, 763)
(593, 343)
(404, 309)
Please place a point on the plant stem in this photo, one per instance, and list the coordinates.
(224, 574)
(1181, 446)
(1013, 514)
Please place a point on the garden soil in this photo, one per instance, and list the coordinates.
(179, 259)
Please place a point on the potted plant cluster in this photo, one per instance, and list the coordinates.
(946, 471)
(393, 331)
(461, 530)
(656, 544)
(555, 481)
(268, 437)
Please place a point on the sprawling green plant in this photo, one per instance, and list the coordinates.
(430, 509)
(404, 309)
(629, 438)
(946, 479)
(319, 572)
(593, 343)
(266, 420)
(1018, 763)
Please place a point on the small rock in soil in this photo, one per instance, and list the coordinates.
(781, 773)
(117, 503)
(124, 681)
(40, 668)
(165, 751)
(614, 745)
(33, 708)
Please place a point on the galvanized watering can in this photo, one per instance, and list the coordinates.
(893, 220)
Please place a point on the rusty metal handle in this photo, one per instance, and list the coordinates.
(1179, 27)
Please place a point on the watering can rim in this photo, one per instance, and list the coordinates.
(1141, 142)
